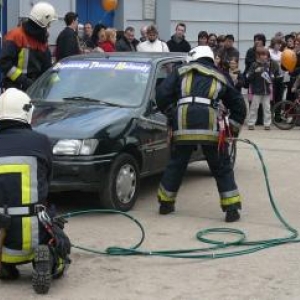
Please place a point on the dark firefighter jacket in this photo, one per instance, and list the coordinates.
(25, 55)
(25, 172)
(188, 96)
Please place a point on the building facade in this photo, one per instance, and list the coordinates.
(242, 18)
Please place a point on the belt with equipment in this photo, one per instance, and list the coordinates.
(191, 99)
(27, 210)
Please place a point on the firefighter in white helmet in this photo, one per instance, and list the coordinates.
(29, 230)
(25, 53)
(190, 98)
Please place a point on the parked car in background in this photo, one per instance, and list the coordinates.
(100, 114)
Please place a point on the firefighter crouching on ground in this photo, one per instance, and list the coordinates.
(29, 232)
(189, 97)
(25, 54)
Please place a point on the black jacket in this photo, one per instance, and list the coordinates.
(226, 54)
(182, 46)
(249, 59)
(25, 173)
(259, 85)
(123, 45)
(67, 44)
(18, 139)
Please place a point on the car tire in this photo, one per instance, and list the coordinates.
(122, 184)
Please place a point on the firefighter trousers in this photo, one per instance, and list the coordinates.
(220, 166)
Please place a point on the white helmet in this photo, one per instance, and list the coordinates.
(15, 105)
(200, 51)
(43, 14)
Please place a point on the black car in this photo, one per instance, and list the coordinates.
(99, 112)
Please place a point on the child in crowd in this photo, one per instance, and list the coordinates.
(235, 73)
(261, 74)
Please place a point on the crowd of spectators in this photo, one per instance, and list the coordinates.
(262, 76)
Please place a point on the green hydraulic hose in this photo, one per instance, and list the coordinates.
(218, 248)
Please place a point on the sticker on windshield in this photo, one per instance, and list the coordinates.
(119, 66)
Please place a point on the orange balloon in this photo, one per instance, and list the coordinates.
(109, 5)
(289, 59)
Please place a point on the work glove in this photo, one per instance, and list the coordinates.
(24, 82)
(234, 131)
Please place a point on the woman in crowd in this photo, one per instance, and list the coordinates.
(98, 36)
(109, 45)
(202, 38)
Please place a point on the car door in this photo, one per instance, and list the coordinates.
(160, 147)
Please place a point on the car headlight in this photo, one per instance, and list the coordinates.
(75, 147)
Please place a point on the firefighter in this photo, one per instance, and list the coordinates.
(29, 231)
(190, 98)
(25, 54)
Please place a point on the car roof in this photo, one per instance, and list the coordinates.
(146, 57)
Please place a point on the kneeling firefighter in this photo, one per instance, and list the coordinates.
(29, 231)
(190, 98)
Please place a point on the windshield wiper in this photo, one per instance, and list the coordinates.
(79, 98)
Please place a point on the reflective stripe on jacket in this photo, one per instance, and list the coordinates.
(18, 179)
(23, 55)
(25, 172)
(196, 122)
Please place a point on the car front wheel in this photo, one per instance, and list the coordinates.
(122, 184)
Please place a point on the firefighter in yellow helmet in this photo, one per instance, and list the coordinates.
(25, 54)
(29, 231)
(190, 98)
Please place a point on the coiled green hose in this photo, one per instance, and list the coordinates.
(219, 249)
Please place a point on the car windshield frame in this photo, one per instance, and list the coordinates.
(118, 82)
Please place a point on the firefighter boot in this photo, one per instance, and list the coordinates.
(232, 215)
(9, 272)
(42, 270)
(166, 207)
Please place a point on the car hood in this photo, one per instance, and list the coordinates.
(75, 121)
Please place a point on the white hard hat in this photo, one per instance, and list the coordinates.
(15, 105)
(43, 14)
(199, 52)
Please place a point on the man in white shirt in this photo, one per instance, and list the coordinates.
(153, 43)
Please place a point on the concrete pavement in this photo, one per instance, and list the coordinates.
(267, 275)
